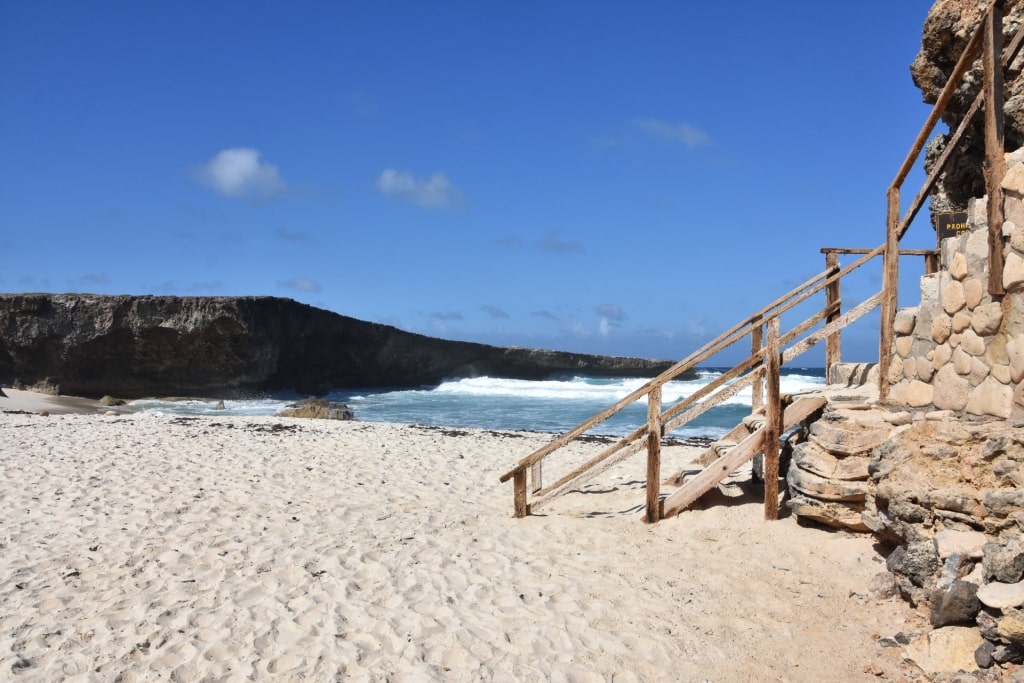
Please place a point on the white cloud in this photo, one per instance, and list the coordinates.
(553, 243)
(31, 281)
(239, 172)
(696, 327)
(576, 329)
(301, 284)
(691, 136)
(611, 311)
(494, 311)
(611, 316)
(433, 192)
(291, 236)
(446, 315)
(96, 279)
(511, 242)
(208, 286)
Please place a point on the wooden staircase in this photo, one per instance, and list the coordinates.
(771, 348)
(740, 445)
(760, 372)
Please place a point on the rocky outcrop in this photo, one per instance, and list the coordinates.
(828, 478)
(947, 29)
(134, 346)
(318, 409)
(947, 493)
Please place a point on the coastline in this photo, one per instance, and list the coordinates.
(239, 548)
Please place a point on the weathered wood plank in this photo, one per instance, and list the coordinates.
(519, 493)
(967, 58)
(773, 420)
(995, 161)
(833, 350)
(800, 410)
(584, 476)
(725, 394)
(850, 316)
(772, 423)
(653, 454)
(851, 251)
(890, 287)
(631, 439)
(712, 386)
(757, 386)
(938, 168)
(710, 454)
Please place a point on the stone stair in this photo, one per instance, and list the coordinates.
(828, 478)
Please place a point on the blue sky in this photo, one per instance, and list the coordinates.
(588, 176)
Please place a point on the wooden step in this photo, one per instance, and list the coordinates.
(801, 409)
(718, 448)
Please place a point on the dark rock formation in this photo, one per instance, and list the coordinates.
(319, 409)
(947, 30)
(134, 346)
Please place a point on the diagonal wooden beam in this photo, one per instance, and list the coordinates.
(713, 474)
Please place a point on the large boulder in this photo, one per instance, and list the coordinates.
(947, 29)
(318, 409)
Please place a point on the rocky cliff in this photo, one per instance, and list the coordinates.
(947, 30)
(134, 346)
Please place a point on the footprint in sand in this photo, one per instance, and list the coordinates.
(286, 664)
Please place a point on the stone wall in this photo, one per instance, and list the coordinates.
(961, 349)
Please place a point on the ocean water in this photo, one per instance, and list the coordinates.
(555, 405)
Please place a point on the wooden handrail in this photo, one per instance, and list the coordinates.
(768, 354)
(721, 342)
(967, 57)
(663, 420)
(903, 252)
(986, 41)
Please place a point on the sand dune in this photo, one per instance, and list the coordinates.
(145, 548)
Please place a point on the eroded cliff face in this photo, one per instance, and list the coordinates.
(133, 346)
(947, 30)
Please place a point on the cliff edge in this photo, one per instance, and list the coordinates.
(133, 346)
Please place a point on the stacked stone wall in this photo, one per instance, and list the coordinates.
(961, 349)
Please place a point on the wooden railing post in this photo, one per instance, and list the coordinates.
(890, 291)
(536, 477)
(757, 388)
(833, 352)
(519, 492)
(654, 455)
(931, 263)
(772, 423)
(995, 162)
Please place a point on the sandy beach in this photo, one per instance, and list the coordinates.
(147, 548)
(18, 400)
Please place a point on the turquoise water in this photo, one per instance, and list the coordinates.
(555, 405)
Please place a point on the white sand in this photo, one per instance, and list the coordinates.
(33, 402)
(144, 548)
